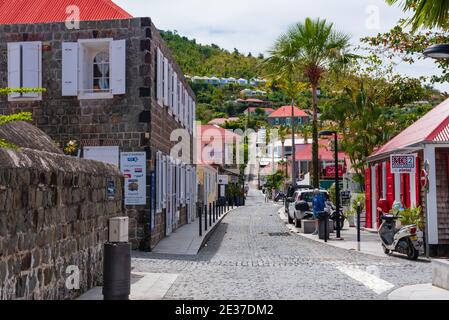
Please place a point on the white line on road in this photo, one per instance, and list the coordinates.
(368, 279)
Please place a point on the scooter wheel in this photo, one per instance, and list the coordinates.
(412, 253)
(386, 251)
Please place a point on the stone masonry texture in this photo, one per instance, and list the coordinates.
(54, 213)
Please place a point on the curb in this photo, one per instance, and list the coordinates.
(212, 230)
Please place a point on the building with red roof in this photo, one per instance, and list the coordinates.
(413, 169)
(326, 156)
(252, 110)
(222, 121)
(111, 84)
(283, 116)
(46, 11)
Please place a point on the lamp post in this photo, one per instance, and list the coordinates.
(328, 133)
(437, 51)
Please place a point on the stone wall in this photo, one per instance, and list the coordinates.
(54, 213)
(102, 122)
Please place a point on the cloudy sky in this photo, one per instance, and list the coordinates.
(253, 25)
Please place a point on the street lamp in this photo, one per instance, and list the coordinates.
(437, 51)
(329, 133)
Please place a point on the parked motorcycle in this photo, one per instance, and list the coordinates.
(403, 240)
(338, 218)
(280, 196)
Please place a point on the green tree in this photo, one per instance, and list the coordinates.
(310, 49)
(427, 13)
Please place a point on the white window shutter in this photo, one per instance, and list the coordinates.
(69, 69)
(192, 116)
(118, 66)
(159, 76)
(166, 82)
(186, 109)
(189, 115)
(175, 94)
(181, 106)
(14, 68)
(170, 88)
(31, 67)
(164, 181)
(180, 96)
(158, 182)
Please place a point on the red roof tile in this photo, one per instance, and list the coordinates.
(434, 126)
(304, 152)
(46, 11)
(286, 111)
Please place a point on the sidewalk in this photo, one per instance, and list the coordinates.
(370, 243)
(186, 240)
(144, 286)
(419, 292)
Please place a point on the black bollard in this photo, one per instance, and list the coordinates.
(200, 221)
(117, 271)
(210, 214)
(205, 217)
(359, 210)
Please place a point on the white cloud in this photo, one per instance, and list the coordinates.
(253, 25)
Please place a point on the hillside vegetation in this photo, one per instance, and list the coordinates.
(210, 60)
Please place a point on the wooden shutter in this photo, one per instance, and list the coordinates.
(69, 69)
(31, 67)
(390, 186)
(118, 66)
(14, 68)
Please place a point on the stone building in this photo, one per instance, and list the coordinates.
(112, 85)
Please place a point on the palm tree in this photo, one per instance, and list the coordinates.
(283, 133)
(307, 51)
(428, 13)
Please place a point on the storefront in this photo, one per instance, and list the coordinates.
(412, 168)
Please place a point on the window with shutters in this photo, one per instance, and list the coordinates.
(94, 68)
(25, 69)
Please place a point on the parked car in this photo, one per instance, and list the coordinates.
(290, 194)
(301, 207)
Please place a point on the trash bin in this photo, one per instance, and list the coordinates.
(323, 225)
(117, 271)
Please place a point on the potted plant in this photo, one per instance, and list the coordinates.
(360, 198)
(414, 216)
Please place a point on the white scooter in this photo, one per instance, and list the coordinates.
(403, 240)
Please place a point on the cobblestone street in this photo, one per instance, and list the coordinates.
(252, 255)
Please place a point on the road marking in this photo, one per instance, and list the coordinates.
(368, 279)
